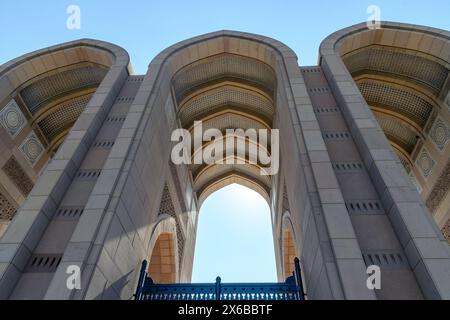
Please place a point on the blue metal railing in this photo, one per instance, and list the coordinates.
(291, 289)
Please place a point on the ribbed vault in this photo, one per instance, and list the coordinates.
(414, 66)
(227, 91)
(401, 85)
(397, 131)
(55, 99)
(221, 67)
(403, 72)
(218, 98)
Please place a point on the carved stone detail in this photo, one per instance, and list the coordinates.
(440, 190)
(446, 230)
(15, 172)
(32, 148)
(12, 119)
(440, 133)
(7, 210)
(402, 101)
(425, 162)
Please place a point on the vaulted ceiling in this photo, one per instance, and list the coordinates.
(226, 91)
(402, 87)
(54, 100)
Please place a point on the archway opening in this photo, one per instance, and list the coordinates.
(289, 254)
(162, 267)
(234, 238)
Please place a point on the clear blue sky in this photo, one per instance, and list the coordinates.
(234, 223)
(144, 28)
(234, 238)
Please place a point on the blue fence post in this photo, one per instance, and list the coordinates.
(218, 288)
(141, 281)
(298, 275)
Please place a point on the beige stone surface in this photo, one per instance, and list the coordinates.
(110, 196)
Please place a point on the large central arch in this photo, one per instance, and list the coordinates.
(340, 200)
(238, 80)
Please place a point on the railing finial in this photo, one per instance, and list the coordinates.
(218, 288)
(298, 275)
(141, 280)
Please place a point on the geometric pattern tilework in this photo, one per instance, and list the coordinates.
(396, 131)
(12, 119)
(440, 133)
(7, 210)
(425, 163)
(446, 230)
(167, 207)
(41, 91)
(382, 59)
(230, 120)
(32, 148)
(15, 172)
(66, 114)
(440, 189)
(225, 96)
(404, 102)
(223, 66)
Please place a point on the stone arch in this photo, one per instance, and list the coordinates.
(44, 74)
(53, 86)
(396, 59)
(229, 175)
(292, 105)
(226, 78)
(43, 94)
(163, 251)
(251, 76)
(402, 72)
(417, 49)
(289, 245)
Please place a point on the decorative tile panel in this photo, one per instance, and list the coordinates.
(398, 100)
(425, 162)
(225, 96)
(32, 148)
(223, 66)
(446, 231)
(397, 131)
(440, 190)
(440, 133)
(15, 172)
(383, 59)
(7, 210)
(38, 93)
(12, 119)
(63, 116)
